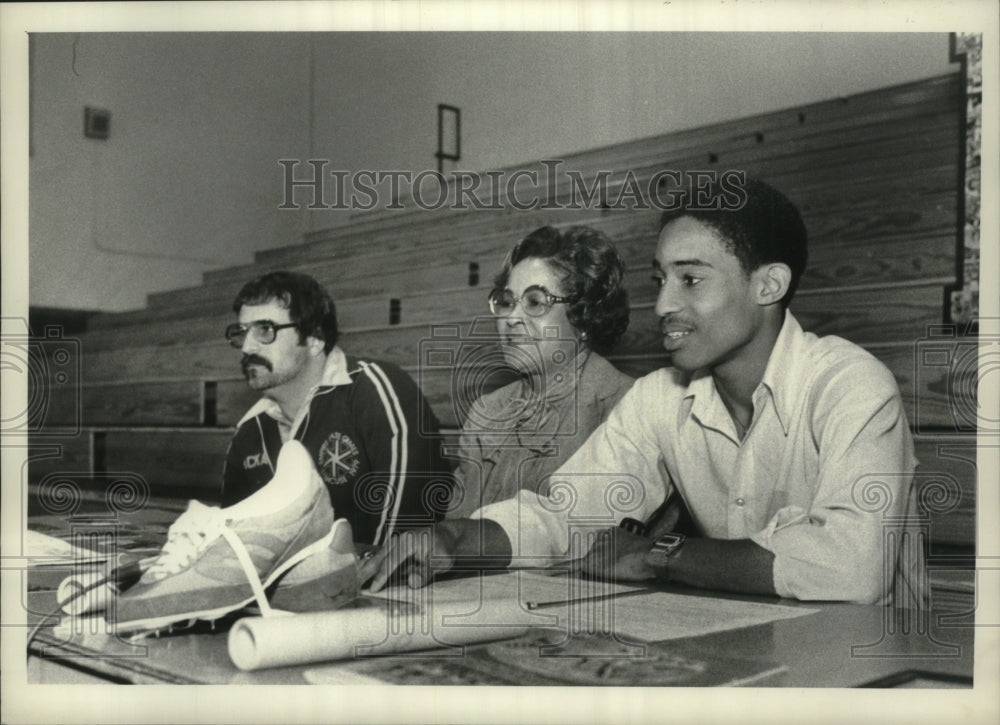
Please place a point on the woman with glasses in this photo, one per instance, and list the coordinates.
(559, 303)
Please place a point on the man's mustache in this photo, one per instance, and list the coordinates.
(249, 360)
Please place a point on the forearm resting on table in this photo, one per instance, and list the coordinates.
(737, 565)
(477, 543)
(416, 556)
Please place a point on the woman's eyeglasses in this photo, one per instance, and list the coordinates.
(535, 301)
(264, 332)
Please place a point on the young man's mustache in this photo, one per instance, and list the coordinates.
(249, 360)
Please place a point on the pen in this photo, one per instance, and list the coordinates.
(580, 600)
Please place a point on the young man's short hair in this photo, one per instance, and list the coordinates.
(309, 306)
(766, 228)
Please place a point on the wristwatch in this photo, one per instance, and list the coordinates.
(663, 549)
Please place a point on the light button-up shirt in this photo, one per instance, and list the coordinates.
(822, 477)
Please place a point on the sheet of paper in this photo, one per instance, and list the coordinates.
(496, 599)
(524, 586)
(41, 549)
(657, 616)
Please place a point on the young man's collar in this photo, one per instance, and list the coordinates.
(780, 376)
(778, 380)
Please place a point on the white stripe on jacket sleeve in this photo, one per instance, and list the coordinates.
(400, 435)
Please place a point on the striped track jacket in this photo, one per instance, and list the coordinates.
(375, 443)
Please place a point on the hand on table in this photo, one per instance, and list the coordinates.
(617, 554)
(413, 556)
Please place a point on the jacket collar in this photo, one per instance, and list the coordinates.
(334, 373)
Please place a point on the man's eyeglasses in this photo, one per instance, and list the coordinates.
(264, 332)
(535, 301)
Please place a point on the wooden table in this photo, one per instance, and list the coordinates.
(839, 645)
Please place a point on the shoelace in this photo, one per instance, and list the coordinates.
(196, 529)
(187, 538)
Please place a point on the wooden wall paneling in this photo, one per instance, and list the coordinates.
(871, 315)
(340, 278)
(219, 293)
(854, 269)
(486, 232)
(905, 304)
(909, 218)
(147, 403)
(209, 326)
(350, 314)
(836, 147)
(883, 105)
(933, 215)
(146, 316)
(233, 399)
(786, 171)
(57, 454)
(363, 312)
(928, 253)
(877, 222)
(877, 226)
(199, 361)
(883, 185)
(886, 262)
(861, 109)
(947, 481)
(885, 109)
(401, 345)
(429, 228)
(848, 197)
(939, 396)
(865, 315)
(175, 463)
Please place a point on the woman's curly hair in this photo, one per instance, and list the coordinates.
(593, 277)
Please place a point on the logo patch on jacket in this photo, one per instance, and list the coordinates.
(338, 459)
(256, 459)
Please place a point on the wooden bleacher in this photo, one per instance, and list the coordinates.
(875, 175)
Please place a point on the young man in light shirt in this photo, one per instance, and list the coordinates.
(791, 452)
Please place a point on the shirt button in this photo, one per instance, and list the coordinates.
(740, 502)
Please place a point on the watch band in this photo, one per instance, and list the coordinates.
(633, 526)
(664, 548)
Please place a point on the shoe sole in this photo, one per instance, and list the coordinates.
(158, 623)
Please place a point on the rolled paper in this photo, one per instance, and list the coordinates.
(95, 600)
(275, 641)
(121, 571)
